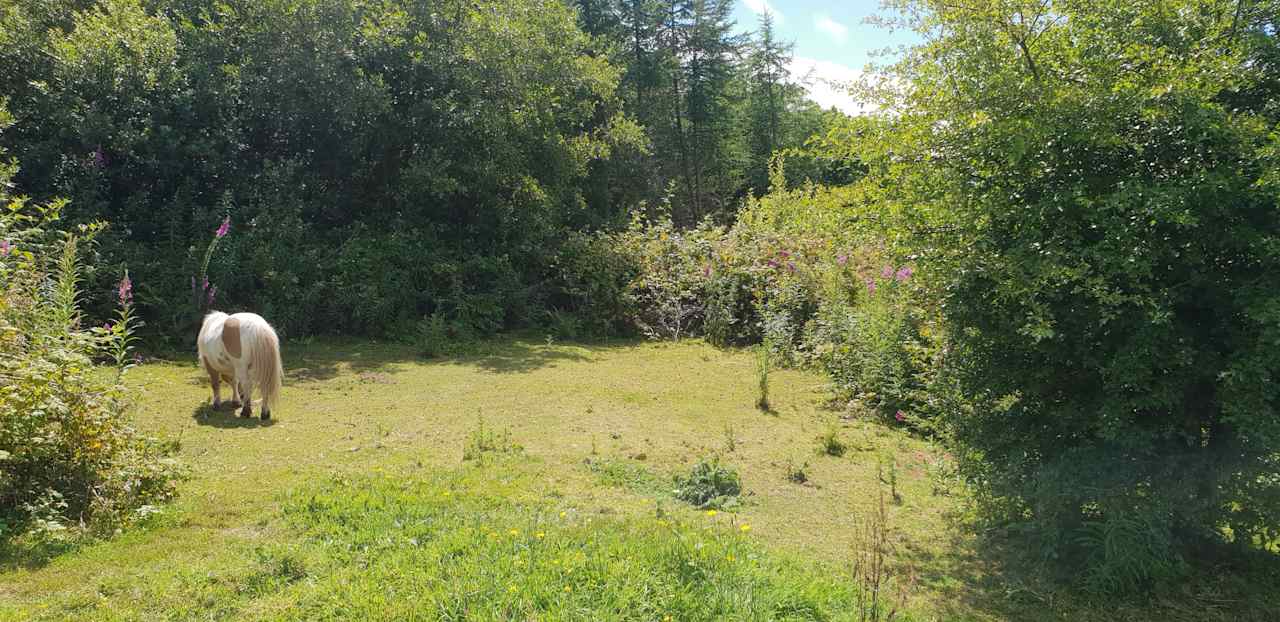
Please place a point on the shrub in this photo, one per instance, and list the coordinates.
(70, 462)
(709, 485)
(1101, 232)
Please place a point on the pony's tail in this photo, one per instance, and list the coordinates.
(267, 371)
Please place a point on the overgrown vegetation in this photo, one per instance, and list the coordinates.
(71, 462)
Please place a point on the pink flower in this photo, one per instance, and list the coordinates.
(213, 293)
(903, 274)
(126, 289)
(706, 270)
(871, 286)
(842, 259)
(5, 247)
(224, 228)
(791, 265)
(784, 254)
(772, 263)
(887, 272)
(900, 416)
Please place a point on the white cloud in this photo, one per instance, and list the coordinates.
(760, 7)
(835, 29)
(828, 83)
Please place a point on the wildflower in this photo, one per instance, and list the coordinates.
(772, 263)
(712, 512)
(729, 557)
(213, 293)
(745, 528)
(842, 259)
(784, 254)
(887, 272)
(903, 274)
(5, 247)
(871, 286)
(223, 228)
(99, 157)
(791, 265)
(563, 514)
(126, 289)
(900, 416)
(706, 270)
(511, 588)
(567, 589)
(540, 535)
(514, 532)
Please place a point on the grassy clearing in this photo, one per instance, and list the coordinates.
(312, 515)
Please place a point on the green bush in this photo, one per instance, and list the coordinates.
(70, 460)
(1102, 236)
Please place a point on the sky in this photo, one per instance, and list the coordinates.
(832, 42)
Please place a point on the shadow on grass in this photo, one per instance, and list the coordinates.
(994, 577)
(519, 356)
(227, 417)
(31, 556)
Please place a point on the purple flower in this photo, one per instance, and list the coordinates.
(706, 270)
(900, 416)
(213, 293)
(224, 228)
(842, 259)
(871, 286)
(5, 247)
(784, 254)
(108, 326)
(99, 157)
(126, 289)
(903, 274)
(887, 272)
(773, 263)
(791, 265)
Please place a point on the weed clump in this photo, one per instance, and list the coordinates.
(830, 444)
(484, 441)
(709, 485)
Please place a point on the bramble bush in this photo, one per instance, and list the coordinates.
(70, 460)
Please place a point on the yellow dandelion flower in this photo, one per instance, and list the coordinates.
(514, 532)
(540, 535)
(567, 589)
(511, 588)
(563, 514)
(729, 557)
(712, 512)
(745, 528)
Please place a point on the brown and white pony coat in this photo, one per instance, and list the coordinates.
(244, 350)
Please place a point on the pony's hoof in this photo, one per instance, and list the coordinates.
(246, 413)
(265, 415)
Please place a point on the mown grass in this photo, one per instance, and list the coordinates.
(312, 515)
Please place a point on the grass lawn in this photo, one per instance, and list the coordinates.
(355, 502)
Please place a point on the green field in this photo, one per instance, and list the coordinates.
(355, 502)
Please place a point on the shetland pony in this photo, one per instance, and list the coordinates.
(243, 349)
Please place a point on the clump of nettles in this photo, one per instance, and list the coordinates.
(709, 485)
(70, 462)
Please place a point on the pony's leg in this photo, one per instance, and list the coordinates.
(246, 394)
(215, 379)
